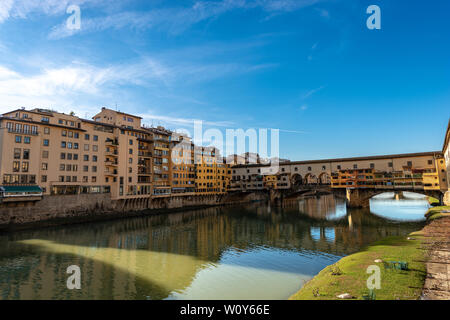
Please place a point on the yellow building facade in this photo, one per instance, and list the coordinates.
(213, 175)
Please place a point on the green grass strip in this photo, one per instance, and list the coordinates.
(349, 275)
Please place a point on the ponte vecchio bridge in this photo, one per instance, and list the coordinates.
(358, 178)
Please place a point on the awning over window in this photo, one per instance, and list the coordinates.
(21, 189)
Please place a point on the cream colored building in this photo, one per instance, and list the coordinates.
(64, 154)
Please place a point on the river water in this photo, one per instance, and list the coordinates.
(245, 252)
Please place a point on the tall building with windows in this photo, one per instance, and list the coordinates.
(127, 153)
(49, 149)
(182, 164)
(161, 161)
(213, 175)
(64, 154)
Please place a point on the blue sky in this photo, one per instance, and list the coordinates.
(310, 68)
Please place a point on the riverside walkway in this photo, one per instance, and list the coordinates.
(437, 283)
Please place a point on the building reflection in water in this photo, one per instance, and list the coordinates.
(248, 252)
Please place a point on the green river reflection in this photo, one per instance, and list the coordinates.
(245, 252)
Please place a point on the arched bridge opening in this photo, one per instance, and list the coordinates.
(359, 198)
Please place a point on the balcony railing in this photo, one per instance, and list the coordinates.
(113, 153)
(165, 139)
(110, 142)
(21, 131)
(145, 154)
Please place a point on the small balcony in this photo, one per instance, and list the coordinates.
(111, 142)
(110, 163)
(145, 154)
(112, 153)
(164, 139)
(146, 180)
(110, 173)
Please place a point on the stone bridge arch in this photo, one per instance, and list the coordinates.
(358, 198)
(324, 178)
(311, 179)
(297, 180)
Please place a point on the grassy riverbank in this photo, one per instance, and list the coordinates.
(438, 212)
(349, 274)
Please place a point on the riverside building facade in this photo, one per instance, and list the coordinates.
(44, 152)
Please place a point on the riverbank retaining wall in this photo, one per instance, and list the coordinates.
(67, 209)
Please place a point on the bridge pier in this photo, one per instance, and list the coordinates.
(358, 198)
(276, 197)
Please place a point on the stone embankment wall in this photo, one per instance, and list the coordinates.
(67, 209)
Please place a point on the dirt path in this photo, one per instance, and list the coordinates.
(437, 283)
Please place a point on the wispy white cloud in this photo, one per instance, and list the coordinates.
(5, 8)
(115, 16)
(67, 85)
(312, 92)
(61, 86)
(313, 49)
(24, 8)
(184, 121)
(175, 20)
(323, 13)
(82, 77)
(293, 131)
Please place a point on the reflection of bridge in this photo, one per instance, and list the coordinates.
(356, 197)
